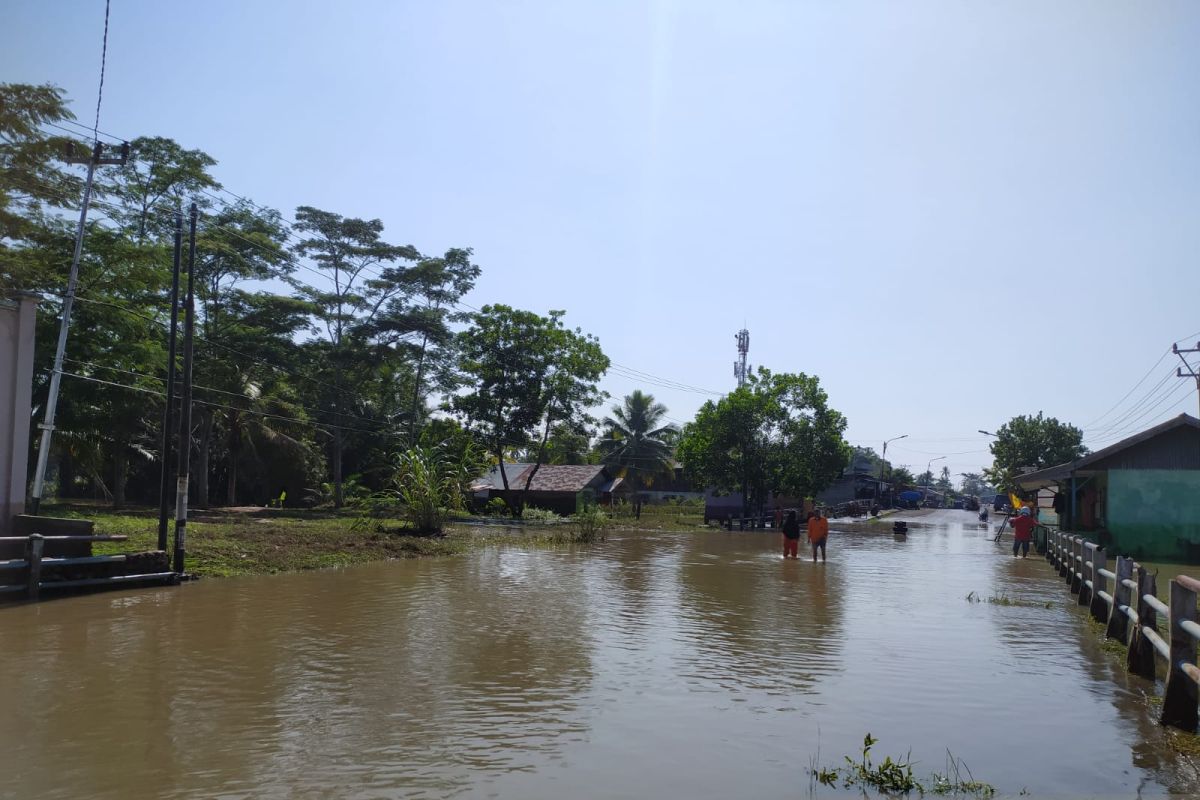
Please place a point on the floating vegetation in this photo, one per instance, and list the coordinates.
(1004, 600)
(895, 776)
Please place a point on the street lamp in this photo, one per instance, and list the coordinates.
(987, 433)
(883, 463)
(928, 468)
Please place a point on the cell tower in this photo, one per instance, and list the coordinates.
(740, 368)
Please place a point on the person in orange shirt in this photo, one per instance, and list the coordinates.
(818, 532)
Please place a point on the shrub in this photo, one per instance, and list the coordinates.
(591, 523)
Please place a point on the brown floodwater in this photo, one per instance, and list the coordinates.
(653, 665)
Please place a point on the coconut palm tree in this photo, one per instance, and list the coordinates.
(636, 444)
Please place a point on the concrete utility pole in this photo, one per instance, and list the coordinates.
(165, 451)
(93, 159)
(1191, 373)
(185, 404)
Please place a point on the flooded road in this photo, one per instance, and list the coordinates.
(654, 665)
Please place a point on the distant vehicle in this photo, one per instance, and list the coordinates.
(959, 505)
(971, 503)
(999, 503)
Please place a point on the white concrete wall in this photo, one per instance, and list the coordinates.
(16, 383)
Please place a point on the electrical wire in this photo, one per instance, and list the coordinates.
(103, 60)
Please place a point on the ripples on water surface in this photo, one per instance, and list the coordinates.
(655, 665)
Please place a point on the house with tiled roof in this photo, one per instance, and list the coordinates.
(562, 488)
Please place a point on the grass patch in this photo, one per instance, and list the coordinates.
(227, 543)
(1003, 599)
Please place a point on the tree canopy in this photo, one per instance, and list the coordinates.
(1032, 442)
(776, 433)
(526, 376)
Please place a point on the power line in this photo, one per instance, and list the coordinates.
(103, 59)
(238, 395)
(1130, 392)
(296, 420)
(1149, 396)
(1133, 423)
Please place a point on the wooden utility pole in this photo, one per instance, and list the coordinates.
(185, 405)
(164, 486)
(1191, 373)
(95, 158)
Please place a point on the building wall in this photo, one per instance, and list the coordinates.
(1155, 513)
(16, 383)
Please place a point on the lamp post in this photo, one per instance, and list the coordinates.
(928, 468)
(883, 464)
(987, 433)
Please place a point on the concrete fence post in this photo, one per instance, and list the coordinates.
(1100, 606)
(1118, 621)
(1075, 576)
(33, 554)
(1064, 559)
(1087, 571)
(1183, 695)
(1141, 650)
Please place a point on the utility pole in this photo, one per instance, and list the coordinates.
(93, 159)
(1191, 373)
(740, 368)
(185, 409)
(164, 486)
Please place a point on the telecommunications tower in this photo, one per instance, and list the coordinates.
(740, 368)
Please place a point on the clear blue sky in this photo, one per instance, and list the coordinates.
(951, 212)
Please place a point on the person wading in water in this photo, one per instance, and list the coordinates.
(1023, 525)
(791, 536)
(818, 532)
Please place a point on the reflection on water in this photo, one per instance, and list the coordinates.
(654, 665)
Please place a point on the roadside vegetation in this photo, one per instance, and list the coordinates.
(895, 776)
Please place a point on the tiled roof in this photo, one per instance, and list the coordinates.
(564, 478)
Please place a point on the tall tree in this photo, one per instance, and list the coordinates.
(1032, 442)
(944, 484)
(32, 183)
(528, 375)
(159, 175)
(238, 243)
(636, 442)
(777, 433)
(363, 278)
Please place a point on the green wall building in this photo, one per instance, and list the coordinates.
(1139, 497)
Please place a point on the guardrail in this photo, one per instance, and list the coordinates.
(1130, 614)
(35, 559)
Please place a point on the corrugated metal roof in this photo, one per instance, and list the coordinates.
(493, 480)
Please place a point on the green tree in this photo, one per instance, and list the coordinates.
(528, 375)
(363, 278)
(973, 484)
(943, 483)
(925, 478)
(159, 175)
(33, 186)
(777, 433)
(1028, 441)
(239, 243)
(637, 443)
(900, 477)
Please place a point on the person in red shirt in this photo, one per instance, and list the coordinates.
(1023, 525)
